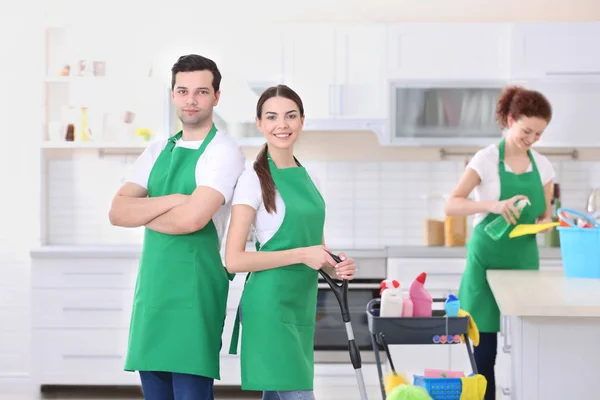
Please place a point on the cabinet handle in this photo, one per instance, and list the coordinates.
(506, 391)
(92, 309)
(93, 356)
(332, 100)
(92, 273)
(506, 347)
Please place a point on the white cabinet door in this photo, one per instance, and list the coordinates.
(361, 71)
(575, 115)
(258, 55)
(312, 73)
(470, 51)
(555, 48)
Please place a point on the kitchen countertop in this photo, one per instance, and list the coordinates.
(452, 252)
(133, 251)
(544, 293)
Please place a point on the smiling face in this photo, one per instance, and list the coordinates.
(281, 122)
(194, 97)
(525, 131)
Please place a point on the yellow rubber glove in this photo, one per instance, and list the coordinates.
(473, 331)
(473, 387)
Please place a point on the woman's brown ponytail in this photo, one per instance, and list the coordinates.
(267, 185)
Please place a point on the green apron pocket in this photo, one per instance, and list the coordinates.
(297, 294)
(173, 279)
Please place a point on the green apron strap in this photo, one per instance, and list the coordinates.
(235, 336)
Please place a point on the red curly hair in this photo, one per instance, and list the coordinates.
(518, 102)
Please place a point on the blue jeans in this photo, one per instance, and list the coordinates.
(289, 395)
(174, 386)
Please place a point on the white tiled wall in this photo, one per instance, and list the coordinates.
(369, 204)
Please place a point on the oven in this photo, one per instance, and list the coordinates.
(331, 339)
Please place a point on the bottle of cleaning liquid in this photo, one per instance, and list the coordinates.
(452, 306)
(407, 307)
(421, 299)
(391, 299)
(498, 227)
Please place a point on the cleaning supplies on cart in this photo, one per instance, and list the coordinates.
(407, 307)
(409, 392)
(452, 305)
(391, 299)
(498, 227)
(473, 387)
(440, 373)
(421, 299)
(472, 330)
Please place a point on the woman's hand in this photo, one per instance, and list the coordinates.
(507, 208)
(316, 257)
(545, 220)
(346, 269)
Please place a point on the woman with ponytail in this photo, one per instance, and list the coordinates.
(500, 175)
(281, 200)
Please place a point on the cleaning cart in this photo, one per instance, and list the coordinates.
(436, 330)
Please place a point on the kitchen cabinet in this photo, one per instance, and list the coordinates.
(313, 69)
(440, 51)
(80, 320)
(574, 101)
(339, 70)
(361, 71)
(555, 48)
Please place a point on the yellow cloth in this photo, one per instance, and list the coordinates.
(473, 387)
(472, 330)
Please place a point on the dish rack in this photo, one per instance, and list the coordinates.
(435, 330)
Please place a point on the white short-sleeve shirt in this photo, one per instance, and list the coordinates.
(485, 163)
(219, 167)
(248, 192)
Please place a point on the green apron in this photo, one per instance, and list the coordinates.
(181, 292)
(278, 306)
(484, 253)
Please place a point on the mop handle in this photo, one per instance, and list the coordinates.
(341, 294)
(340, 291)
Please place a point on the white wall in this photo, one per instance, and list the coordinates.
(21, 103)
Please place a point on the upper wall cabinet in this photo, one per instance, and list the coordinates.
(339, 70)
(555, 49)
(361, 71)
(448, 51)
(575, 116)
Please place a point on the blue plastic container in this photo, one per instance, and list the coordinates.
(440, 388)
(580, 247)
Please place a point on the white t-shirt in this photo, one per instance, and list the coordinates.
(219, 167)
(248, 191)
(485, 163)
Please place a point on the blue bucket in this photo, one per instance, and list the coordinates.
(580, 247)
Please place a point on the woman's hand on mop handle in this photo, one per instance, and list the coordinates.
(346, 269)
(316, 257)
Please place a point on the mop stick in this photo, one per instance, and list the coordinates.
(341, 294)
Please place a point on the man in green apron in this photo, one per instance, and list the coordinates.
(526, 114)
(180, 191)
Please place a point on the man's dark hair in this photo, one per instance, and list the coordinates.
(194, 62)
